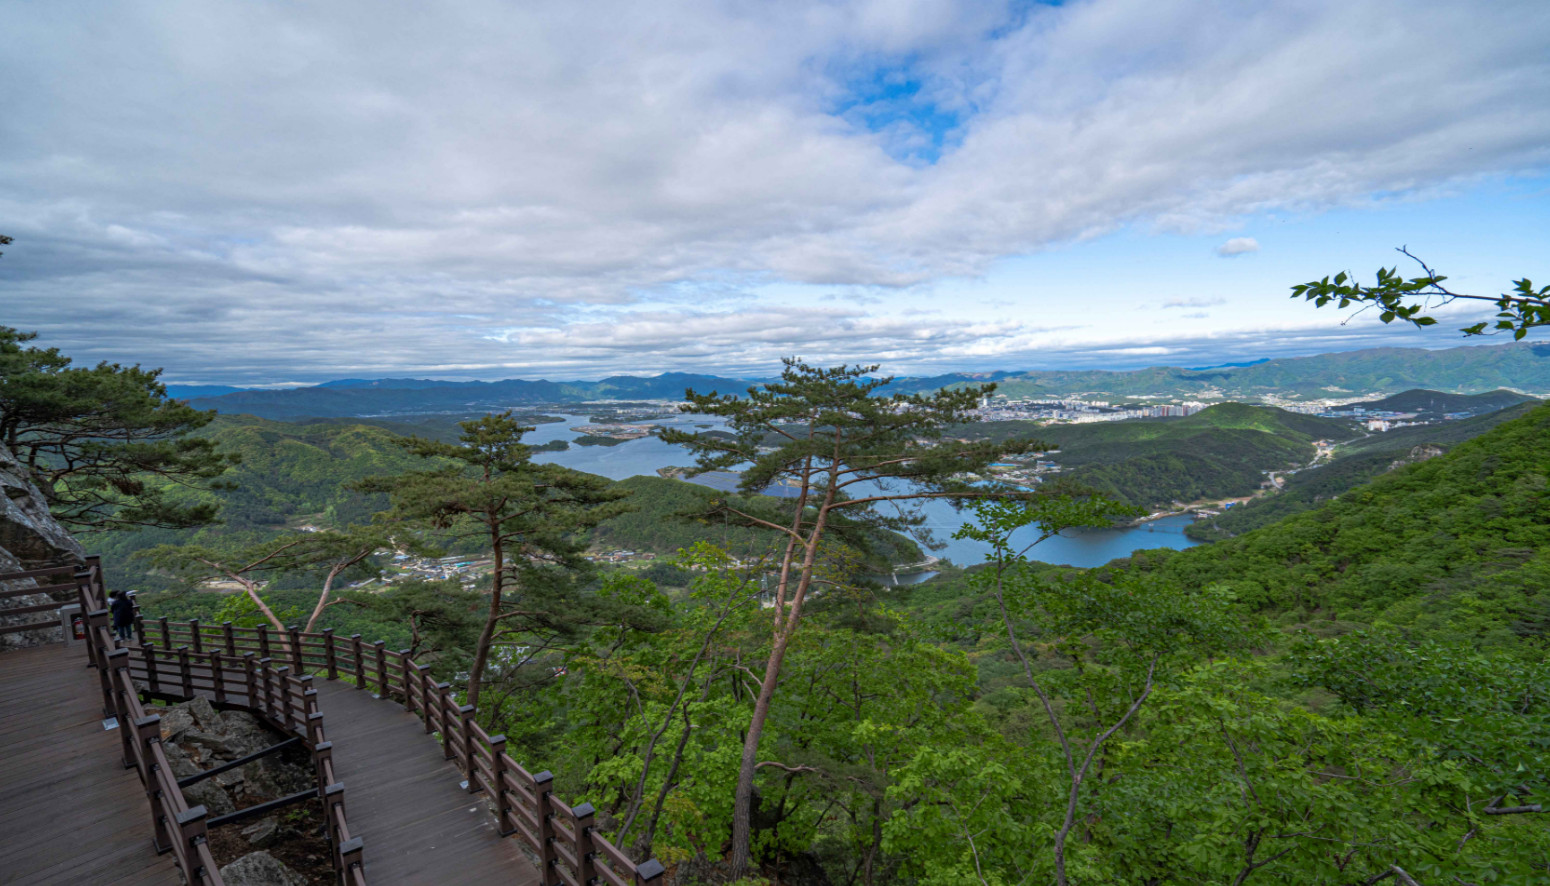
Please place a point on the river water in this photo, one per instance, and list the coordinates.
(646, 455)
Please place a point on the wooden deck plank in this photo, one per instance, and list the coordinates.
(404, 799)
(69, 811)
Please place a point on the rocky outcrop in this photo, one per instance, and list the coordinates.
(27, 530)
(197, 737)
(260, 869)
(30, 538)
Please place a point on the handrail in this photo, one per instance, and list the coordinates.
(177, 827)
(564, 839)
(65, 582)
(287, 702)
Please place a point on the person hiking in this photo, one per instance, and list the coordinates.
(123, 614)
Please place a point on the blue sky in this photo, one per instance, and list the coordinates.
(272, 193)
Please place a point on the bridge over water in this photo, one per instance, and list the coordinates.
(432, 798)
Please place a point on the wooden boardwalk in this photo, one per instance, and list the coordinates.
(71, 813)
(69, 810)
(405, 799)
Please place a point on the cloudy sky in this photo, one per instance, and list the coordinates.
(262, 193)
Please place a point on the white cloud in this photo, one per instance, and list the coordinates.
(291, 188)
(1237, 246)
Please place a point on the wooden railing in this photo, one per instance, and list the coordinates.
(286, 702)
(57, 583)
(269, 673)
(191, 655)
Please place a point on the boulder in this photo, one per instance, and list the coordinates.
(260, 869)
(30, 538)
(262, 834)
(177, 758)
(243, 731)
(175, 722)
(27, 530)
(211, 796)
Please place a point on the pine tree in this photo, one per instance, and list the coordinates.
(839, 453)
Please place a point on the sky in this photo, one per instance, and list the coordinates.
(271, 193)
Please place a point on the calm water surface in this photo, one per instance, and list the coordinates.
(644, 456)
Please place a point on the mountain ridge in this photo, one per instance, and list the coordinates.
(1522, 367)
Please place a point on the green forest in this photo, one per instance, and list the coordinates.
(1220, 452)
(1356, 462)
(1352, 693)
(1355, 689)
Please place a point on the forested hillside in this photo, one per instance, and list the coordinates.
(1393, 637)
(293, 473)
(1435, 404)
(1456, 547)
(1384, 716)
(1356, 462)
(1219, 452)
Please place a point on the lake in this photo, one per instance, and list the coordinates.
(646, 455)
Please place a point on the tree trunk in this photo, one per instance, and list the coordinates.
(487, 635)
(742, 810)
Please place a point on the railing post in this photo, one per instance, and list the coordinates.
(152, 678)
(283, 686)
(333, 798)
(323, 752)
(187, 673)
(147, 733)
(264, 670)
(465, 718)
(263, 642)
(139, 621)
(230, 636)
(360, 668)
(218, 675)
(349, 857)
(192, 831)
(293, 633)
(404, 678)
(250, 677)
(382, 676)
(97, 626)
(118, 666)
(498, 777)
(444, 690)
(650, 873)
(196, 634)
(543, 792)
(586, 850)
(426, 686)
(329, 655)
(166, 633)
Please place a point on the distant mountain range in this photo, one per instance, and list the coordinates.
(1521, 366)
(1435, 404)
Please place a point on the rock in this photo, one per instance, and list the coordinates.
(260, 869)
(177, 758)
(260, 780)
(30, 538)
(27, 530)
(205, 714)
(211, 796)
(262, 834)
(243, 732)
(175, 721)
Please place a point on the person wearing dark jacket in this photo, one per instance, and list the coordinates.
(123, 614)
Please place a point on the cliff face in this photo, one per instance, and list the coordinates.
(30, 538)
